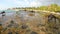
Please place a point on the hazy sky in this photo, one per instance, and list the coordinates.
(26, 3)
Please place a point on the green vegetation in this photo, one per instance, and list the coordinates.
(52, 7)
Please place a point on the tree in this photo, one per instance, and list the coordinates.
(43, 8)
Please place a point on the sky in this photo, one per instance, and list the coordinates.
(4, 4)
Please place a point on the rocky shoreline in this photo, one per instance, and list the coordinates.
(31, 23)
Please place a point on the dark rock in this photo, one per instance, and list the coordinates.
(49, 33)
(10, 33)
(28, 30)
(12, 22)
(24, 26)
(40, 25)
(3, 12)
(55, 27)
(43, 30)
(10, 25)
(4, 29)
(16, 33)
(32, 11)
(51, 17)
(58, 32)
(46, 29)
(34, 32)
(0, 24)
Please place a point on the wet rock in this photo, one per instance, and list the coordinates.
(4, 29)
(12, 22)
(16, 33)
(0, 24)
(46, 29)
(31, 14)
(43, 29)
(9, 32)
(49, 33)
(24, 26)
(52, 17)
(40, 25)
(55, 27)
(28, 31)
(16, 25)
(3, 13)
(58, 33)
(34, 32)
(9, 25)
(32, 11)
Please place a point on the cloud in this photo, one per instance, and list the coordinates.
(25, 3)
(34, 4)
(2, 7)
(30, 3)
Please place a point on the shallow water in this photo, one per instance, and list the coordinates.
(34, 21)
(22, 14)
